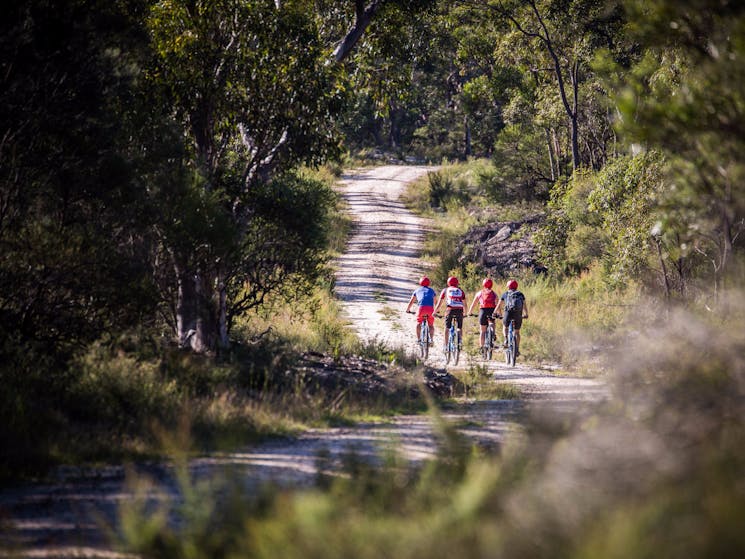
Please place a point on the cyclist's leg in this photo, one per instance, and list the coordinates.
(459, 319)
(431, 320)
(518, 324)
(505, 323)
(448, 322)
(483, 322)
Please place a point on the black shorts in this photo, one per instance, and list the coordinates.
(456, 314)
(517, 316)
(485, 315)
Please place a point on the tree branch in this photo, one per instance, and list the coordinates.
(363, 17)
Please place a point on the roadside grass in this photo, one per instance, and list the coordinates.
(637, 479)
(116, 401)
(340, 224)
(479, 384)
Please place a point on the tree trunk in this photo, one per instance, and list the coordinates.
(393, 132)
(467, 150)
(196, 326)
(223, 340)
(576, 162)
(664, 269)
(550, 154)
(557, 151)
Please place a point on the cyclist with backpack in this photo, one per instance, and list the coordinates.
(487, 303)
(424, 296)
(455, 301)
(515, 308)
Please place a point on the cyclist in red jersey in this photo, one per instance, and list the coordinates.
(424, 296)
(455, 301)
(487, 303)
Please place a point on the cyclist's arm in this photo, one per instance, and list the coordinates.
(525, 309)
(439, 302)
(411, 302)
(499, 306)
(475, 298)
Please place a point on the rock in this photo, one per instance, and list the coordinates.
(503, 249)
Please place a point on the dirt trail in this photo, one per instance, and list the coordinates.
(62, 517)
(379, 271)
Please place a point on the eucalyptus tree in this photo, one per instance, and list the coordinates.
(249, 87)
(553, 42)
(685, 97)
(254, 89)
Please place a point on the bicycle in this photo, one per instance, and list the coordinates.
(425, 338)
(454, 344)
(489, 337)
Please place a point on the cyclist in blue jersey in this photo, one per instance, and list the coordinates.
(424, 296)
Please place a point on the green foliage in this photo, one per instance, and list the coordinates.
(283, 248)
(685, 99)
(121, 392)
(605, 217)
(73, 228)
(522, 171)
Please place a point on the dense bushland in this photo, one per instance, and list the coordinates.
(153, 205)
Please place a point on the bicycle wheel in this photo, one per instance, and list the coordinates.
(451, 345)
(508, 349)
(489, 343)
(424, 340)
(513, 347)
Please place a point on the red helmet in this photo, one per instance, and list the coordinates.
(487, 283)
(512, 284)
(453, 281)
(424, 281)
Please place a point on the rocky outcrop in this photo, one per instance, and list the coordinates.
(503, 248)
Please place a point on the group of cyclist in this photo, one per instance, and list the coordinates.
(454, 299)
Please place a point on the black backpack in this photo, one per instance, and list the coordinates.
(513, 301)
